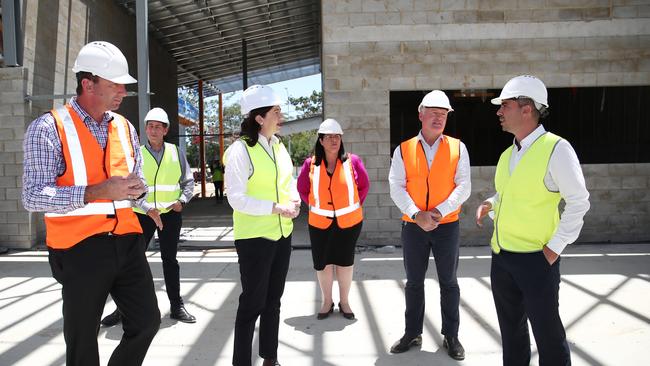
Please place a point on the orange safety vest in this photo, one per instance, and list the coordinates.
(88, 164)
(335, 196)
(428, 187)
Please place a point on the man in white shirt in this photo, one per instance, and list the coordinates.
(529, 235)
(429, 180)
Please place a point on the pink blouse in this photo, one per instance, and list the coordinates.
(360, 176)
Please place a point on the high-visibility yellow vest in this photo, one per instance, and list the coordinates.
(527, 214)
(270, 181)
(163, 180)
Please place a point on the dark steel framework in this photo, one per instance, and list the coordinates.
(282, 39)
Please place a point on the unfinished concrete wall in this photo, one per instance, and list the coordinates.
(371, 47)
(54, 32)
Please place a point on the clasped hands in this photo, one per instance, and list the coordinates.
(428, 220)
(130, 187)
(290, 210)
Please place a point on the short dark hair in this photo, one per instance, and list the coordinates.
(319, 151)
(250, 129)
(85, 75)
(539, 114)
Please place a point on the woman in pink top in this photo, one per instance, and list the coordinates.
(333, 243)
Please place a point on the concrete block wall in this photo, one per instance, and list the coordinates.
(372, 47)
(54, 32)
(15, 222)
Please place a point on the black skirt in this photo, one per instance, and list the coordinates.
(333, 245)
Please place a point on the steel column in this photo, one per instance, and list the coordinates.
(142, 30)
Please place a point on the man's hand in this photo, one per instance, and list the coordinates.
(426, 220)
(155, 216)
(436, 214)
(481, 211)
(285, 210)
(116, 189)
(550, 255)
(177, 206)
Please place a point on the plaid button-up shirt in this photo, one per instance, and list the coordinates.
(44, 162)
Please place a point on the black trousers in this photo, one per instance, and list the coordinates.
(263, 267)
(525, 287)
(218, 190)
(168, 236)
(417, 244)
(88, 272)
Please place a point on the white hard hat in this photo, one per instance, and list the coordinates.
(436, 98)
(331, 126)
(258, 96)
(157, 114)
(104, 60)
(524, 86)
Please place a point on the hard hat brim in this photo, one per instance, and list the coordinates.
(124, 79)
(497, 101)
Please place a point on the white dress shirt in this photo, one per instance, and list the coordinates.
(238, 169)
(397, 180)
(564, 175)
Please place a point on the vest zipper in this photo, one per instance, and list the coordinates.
(277, 193)
(496, 224)
(426, 202)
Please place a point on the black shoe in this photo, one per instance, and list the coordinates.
(322, 316)
(179, 313)
(405, 343)
(271, 363)
(454, 348)
(349, 315)
(111, 319)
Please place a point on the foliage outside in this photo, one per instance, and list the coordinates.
(300, 145)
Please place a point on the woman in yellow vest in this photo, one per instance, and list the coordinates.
(334, 184)
(261, 191)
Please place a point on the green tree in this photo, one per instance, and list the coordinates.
(308, 106)
(301, 144)
(232, 119)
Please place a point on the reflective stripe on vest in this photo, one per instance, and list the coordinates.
(430, 186)
(88, 164)
(527, 213)
(342, 191)
(270, 181)
(163, 180)
(95, 208)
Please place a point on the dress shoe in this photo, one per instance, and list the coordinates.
(271, 363)
(349, 315)
(179, 313)
(454, 348)
(111, 319)
(322, 316)
(405, 343)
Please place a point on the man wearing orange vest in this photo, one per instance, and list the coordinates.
(83, 168)
(429, 180)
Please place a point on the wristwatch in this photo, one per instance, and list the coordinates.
(415, 215)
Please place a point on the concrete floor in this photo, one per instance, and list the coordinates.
(604, 302)
(605, 305)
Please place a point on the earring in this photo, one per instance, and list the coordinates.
(261, 123)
